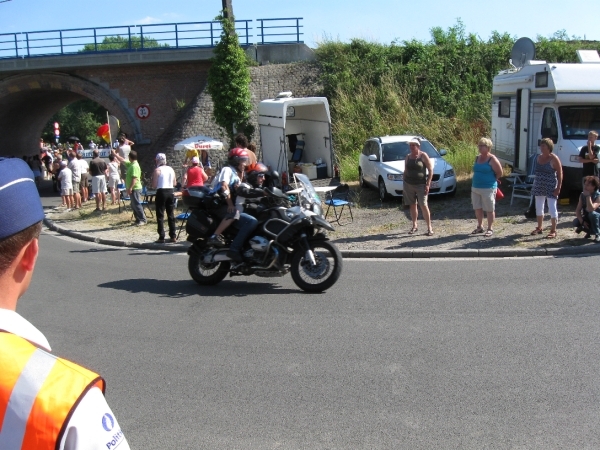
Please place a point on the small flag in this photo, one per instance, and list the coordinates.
(114, 126)
(104, 132)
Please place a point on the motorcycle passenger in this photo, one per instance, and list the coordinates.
(227, 181)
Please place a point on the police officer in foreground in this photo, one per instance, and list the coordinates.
(46, 402)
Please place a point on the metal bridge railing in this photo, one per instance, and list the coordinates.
(141, 37)
(280, 28)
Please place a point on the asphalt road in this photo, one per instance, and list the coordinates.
(465, 354)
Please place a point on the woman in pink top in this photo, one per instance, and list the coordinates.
(195, 175)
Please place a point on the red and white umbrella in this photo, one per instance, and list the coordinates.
(199, 143)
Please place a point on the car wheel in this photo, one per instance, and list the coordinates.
(361, 178)
(382, 191)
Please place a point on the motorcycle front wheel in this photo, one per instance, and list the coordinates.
(322, 275)
(207, 274)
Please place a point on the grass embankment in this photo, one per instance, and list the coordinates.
(386, 110)
(441, 89)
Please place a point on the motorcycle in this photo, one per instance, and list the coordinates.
(289, 238)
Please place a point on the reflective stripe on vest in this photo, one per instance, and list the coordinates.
(38, 393)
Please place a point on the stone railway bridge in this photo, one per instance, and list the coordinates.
(33, 89)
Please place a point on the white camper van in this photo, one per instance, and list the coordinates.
(536, 100)
(296, 131)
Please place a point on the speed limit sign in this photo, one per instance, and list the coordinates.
(143, 111)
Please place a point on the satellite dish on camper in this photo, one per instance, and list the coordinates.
(523, 50)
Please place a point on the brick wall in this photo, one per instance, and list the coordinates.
(179, 105)
(302, 79)
(161, 87)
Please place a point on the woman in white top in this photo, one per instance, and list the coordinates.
(114, 178)
(164, 181)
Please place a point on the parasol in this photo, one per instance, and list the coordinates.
(199, 143)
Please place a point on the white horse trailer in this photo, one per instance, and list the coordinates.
(546, 100)
(286, 122)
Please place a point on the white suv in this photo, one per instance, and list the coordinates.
(381, 164)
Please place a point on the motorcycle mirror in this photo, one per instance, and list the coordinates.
(276, 192)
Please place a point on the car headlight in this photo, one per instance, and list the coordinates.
(449, 173)
(395, 176)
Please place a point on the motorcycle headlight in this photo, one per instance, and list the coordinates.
(317, 209)
(449, 173)
(395, 176)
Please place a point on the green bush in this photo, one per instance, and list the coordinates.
(122, 43)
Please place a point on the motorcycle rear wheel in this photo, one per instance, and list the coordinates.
(321, 276)
(207, 274)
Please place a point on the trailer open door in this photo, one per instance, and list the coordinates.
(522, 130)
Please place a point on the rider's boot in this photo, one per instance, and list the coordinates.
(234, 255)
(216, 240)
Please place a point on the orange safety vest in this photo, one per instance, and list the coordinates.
(38, 394)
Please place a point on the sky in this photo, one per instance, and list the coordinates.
(380, 21)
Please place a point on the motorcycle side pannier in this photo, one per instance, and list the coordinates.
(200, 224)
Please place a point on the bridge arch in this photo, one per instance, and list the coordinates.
(28, 101)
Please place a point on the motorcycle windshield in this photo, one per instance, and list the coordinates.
(308, 194)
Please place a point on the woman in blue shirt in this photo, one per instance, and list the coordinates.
(486, 171)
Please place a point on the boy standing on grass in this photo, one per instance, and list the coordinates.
(66, 185)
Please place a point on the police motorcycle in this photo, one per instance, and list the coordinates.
(289, 238)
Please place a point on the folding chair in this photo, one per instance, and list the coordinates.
(523, 183)
(184, 216)
(122, 196)
(297, 155)
(339, 199)
(145, 202)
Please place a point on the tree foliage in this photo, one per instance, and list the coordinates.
(452, 73)
(123, 43)
(80, 119)
(229, 83)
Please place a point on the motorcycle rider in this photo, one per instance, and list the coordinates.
(255, 174)
(249, 193)
(227, 181)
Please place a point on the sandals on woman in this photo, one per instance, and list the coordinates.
(488, 233)
(477, 230)
(538, 231)
(413, 230)
(429, 233)
(551, 235)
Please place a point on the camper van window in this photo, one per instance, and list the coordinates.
(577, 121)
(541, 79)
(504, 107)
(549, 125)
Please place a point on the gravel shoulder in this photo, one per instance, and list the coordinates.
(376, 226)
